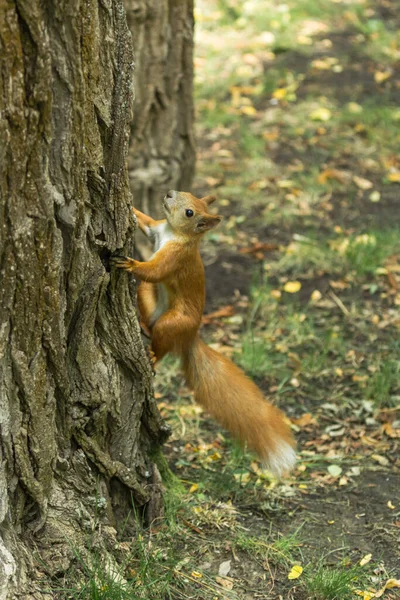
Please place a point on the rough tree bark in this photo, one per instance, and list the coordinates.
(162, 151)
(78, 421)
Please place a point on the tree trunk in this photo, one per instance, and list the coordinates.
(162, 152)
(78, 421)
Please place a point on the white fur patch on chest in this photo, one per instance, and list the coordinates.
(160, 235)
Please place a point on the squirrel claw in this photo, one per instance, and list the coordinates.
(152, 359)
(121, 262)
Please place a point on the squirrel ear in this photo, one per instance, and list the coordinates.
(209, 199)
(208, 222)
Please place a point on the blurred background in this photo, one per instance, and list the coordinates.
(297, 126)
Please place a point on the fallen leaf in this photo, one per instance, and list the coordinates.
(365, 595)
(321, 114)
(295, 572)
(224, 311)
(304, 420)
(374, 196)
(334, 470)
(324, 64)
(394, 177)
(365, 560)
(292, 287)
(392, 280)
(382, 460)
(276, 294)
(381, 76)
(193, 488)
(248, 110)
(226, 583)
(390, 584)
(354, 108)
(285, 183)
(388, 430)
(280, 93)
(363, 184)
(259, 246)
(341, 176)
(316, 295)
(196, 574)
(224, 568)
(390, 505)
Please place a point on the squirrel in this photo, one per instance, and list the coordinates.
(171, 298)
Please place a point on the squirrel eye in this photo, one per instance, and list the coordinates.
(189, 212)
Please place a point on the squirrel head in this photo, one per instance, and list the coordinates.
(189, 215)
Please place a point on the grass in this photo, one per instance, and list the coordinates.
(282, 551)
(384, 384)
(334, 583)
(367, 252)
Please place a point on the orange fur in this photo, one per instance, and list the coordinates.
(171, 302)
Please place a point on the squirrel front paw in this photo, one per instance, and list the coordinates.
(122, 262)
(152, 358)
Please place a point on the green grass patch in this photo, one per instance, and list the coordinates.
(283, 551)
(334, 583)
(367, 252)
(383, 386)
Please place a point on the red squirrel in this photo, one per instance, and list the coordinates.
(171, 299)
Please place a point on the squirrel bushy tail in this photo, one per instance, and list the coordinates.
(237, 403)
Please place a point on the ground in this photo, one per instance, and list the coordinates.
(298, 136)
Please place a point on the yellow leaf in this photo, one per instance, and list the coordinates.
(271, 136)
(354, 108)
(374, 196)
(365, 560)
(285, 183)
(194, 488)
(382, 460)
(196, 574)
(295, 572)
(340, 176)
(292, 287)
(324, 64)
(394, 177)
(363, 184)
(321, 114)
(390, 505)
(276, 294)
(248, 110)
(316, 295)
(381, 76)
(280, 93)
(365, 595)
(391, 583)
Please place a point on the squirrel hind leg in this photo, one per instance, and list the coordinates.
(147, 303)
(172, 333)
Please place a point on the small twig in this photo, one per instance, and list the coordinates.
(340, 304)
